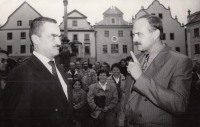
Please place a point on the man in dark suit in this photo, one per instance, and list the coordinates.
(159, 80)
(38, 93)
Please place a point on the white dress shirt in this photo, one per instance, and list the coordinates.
(45, 61)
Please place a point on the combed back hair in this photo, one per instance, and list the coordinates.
(155, 23)
(36, 25)
(115, 65)
(3, 51)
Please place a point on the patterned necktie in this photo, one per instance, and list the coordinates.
(54, 73)
(144, 66)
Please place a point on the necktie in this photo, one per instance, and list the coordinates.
(144, 67)
(53, 68)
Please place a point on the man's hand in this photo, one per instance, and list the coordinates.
(106, 109)
(134, 68)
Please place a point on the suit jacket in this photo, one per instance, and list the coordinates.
(34, 97)
(161, 92)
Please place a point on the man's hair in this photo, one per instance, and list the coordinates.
(85, 62)
(4, 52)
(155, 23)
(115, 65)
(76, 62)
(36, 25)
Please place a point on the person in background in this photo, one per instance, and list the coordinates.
(78, 66)
(102, 98)
(119, 82)
(79, 102)
(38, 92)
(72, 74)
(97, 66)
(128, 59)
(106, 66)
(123, 68)
(87, 76)
(19, 61)
(159, 81)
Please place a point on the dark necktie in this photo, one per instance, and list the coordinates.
(54, 73)
(144, 66)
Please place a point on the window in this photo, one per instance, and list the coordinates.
(160, 16)
(74, 23)
(9, 36)
(75, 37)
(163, 36)
(30, 22)
(31, 48)
(113, 20)
(19, 23)
(106, 33)
(105, 50)
(23, 49)
(9, 49)
(87, 49)
(152, 13)
(23, 35)
(178, 49)
(114, 48)
(124, 48)
(196, 49)
(87, 37)
(120, 33)
(171, 36)
(196, 32)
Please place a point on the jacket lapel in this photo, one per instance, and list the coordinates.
(43, 74)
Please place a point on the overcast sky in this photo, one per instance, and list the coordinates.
(94, 9)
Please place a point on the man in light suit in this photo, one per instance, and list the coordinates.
(158, 83)
(38, 93)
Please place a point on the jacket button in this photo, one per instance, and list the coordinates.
(140, 115)
(56, 109)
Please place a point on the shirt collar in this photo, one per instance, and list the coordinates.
(42, 58)
(69, 72)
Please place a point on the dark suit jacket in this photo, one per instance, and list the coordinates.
(161, 92)
(33, 97)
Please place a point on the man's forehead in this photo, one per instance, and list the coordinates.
(140, 24)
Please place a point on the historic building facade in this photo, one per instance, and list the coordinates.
(193, 35)
(82, 34)
(174, 32)
(113, 37)
(14, 34)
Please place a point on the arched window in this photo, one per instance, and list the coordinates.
(113, 20)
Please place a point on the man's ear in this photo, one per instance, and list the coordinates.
(156, 34)
(34, 39)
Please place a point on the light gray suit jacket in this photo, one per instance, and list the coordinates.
(161, 92)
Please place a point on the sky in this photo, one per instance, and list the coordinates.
(94, 9)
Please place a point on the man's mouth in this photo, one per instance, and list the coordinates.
(137, 43)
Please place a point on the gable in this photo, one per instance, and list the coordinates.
(19, 15)
(197, 18)
(76, 14)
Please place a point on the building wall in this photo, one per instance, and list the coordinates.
(24, 13)
(109, 57)
(170, 25)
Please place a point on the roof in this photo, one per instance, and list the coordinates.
(113, 10)
(195, 19)
(83, 16)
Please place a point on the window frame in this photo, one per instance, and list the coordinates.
(9, 36)
(106, 49)
(23, 35)
(19, 23)
(21, 49)
(106, 33)
(114, 48)
(120, 33)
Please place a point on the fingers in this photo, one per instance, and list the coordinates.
(134, 58)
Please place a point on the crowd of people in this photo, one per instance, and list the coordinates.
(157, 88)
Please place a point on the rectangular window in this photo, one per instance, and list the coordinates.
(9, 36)
(30, 22)
(178, 49)
(114, 48)
(31, 48)
(171, 36)
(87, 37)
(163, 36)
(74, 23)
(9, 49)
(105, 49)
(124, 48)
(106, 33)
(160, 15)
(23, 35)
(152, 13)
(75, 37)
(87, 49)
(23, 49)
(196, 49)
(19, 23)
(196, 32)
(120, 33)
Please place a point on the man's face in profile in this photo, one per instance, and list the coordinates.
(3, 61)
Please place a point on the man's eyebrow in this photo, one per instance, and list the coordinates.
(55, 35)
